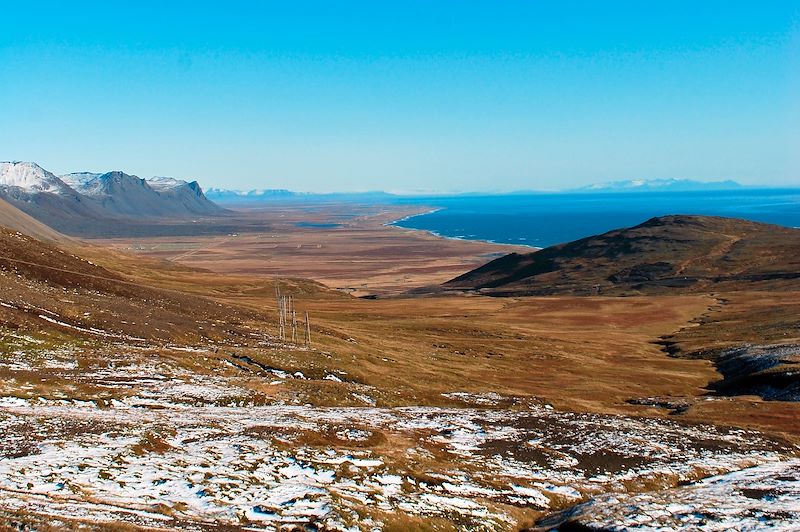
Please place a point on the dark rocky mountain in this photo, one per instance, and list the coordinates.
(40, 194)
(187, 196)
(91, 204)
(129, 195)
(670, 254)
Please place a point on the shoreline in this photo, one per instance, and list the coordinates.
(394, 223)
(366, 255)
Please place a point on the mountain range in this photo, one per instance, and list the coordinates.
(634, 185)
(237, 196)
(80, 202)
(261, 195)
(659, 185)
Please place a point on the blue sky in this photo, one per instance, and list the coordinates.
(444, 96)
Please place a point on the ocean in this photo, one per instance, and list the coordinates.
(541, 220)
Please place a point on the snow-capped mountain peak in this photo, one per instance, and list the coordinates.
(98, 196)
(31, 178)
(165, 183)
(87, 183)
(79, 179)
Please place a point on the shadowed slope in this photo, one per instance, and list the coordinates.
(15, 219)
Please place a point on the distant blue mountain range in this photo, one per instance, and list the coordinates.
(657, 185)
(634, 185)
(273, 195)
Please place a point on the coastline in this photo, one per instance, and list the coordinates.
(395, 223)
(364, 255)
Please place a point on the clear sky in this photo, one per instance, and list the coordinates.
(404, 95)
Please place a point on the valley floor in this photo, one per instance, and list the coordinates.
(348, 247)
(155, 395)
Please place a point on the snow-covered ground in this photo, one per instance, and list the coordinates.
(758, 498)
(131, 433)
(165, 183)
(170, 464)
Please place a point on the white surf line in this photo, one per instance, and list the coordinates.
(404, 218)
(394, 223)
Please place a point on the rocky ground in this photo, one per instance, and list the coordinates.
(135, 438)
(757, 498)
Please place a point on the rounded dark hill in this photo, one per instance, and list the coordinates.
(668, 254)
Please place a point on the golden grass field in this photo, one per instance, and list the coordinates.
(361, 255)
(591, 354)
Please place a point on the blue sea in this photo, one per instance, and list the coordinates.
(541, 220)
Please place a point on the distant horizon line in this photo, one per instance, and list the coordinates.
(284, 192)
(627, 186)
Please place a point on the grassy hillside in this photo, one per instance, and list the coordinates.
(670, 254)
